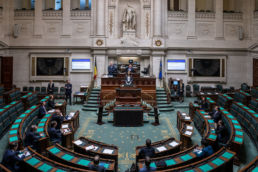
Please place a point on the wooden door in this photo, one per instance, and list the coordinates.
(255, 72)
(7, 72)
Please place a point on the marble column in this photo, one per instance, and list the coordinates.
(191, 20)
(100, 56)
(38, 18)
(158, 56)
(67, 24)
(8, 21)
(157, 18)
(247, 11)
(100, 18)
(219, 20)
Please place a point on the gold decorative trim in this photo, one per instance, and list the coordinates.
(158, 43)
(99, 42)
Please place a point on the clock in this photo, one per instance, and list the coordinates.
(99, 42)
(158, 43)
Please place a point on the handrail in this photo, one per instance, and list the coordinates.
(90, 89)
(168, 92)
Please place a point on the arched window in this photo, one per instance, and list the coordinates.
(58, 4)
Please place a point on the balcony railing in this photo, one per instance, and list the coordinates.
(205, 15)
(24, 13)
(80, 14)
(52, 14)
(233, 16)
(177, 14)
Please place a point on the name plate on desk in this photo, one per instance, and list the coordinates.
(108, 151)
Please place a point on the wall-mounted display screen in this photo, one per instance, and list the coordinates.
(50, 66)
(176, 65)
(207, 67)
(81, 64)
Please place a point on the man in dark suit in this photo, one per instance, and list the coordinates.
(11, 159)
(147, 167)
(205, 150)
(204, 104)
(111, 69)
(95, 166)
(68, 91)
(221, 132)
(51, 103)
(130, 68)
(54, 133)
(50, 87)
(216, 116)
(148, 150)
(42, 110)
(32, 137)
(58, 117)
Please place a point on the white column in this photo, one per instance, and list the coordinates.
(219, 20)
(101, 63)
(248, 9)
(191, 19)
(157, 18)
(100, 18)
(67, 26)
(38, 18)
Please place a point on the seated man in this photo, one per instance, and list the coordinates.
(42, 110)
(147, 167)
(54, 133)
(111, 69)
(130, 69)
(221, 132)
(32, 137)
(204, 104)
(95, 166)
(216, 115)
(58, 117)
(204, 150)
(129, 80)
(51, 103)
(148, 150)
(11, 160)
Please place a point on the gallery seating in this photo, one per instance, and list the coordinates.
(242, 97)
(1, 90)
(196, 89)
(68, 157)
(254, 105)
(252, 166)
(224, 100)
(162, 148)
(1, 102)
(30, 99)
(12, 95)
(248, 119)
(254, 92)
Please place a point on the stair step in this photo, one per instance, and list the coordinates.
(92, 102)
(161, 99)
(165, 106)
(91, 105)
(94, 95)
(161, 96)
(96, 89)
(89, 109)
(166, 109)
(162, 102)
(93, 98)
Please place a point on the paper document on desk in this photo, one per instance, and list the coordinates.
(71, 114)
(161, 148)
(108, 151)
(78, 142)
(51, 111)
(188, 133)
(65, 126)
(173, 144)
(187, 118)
(91, 147)
(189, 127)
(184, 114)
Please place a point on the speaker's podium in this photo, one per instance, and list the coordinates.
(128, 111)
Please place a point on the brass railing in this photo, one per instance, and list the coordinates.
(90, 89)
(168, 92)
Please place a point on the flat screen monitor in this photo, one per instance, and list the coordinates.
(81, 64)
(175, 82)
(176, 65)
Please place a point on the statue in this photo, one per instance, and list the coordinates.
(129, 19)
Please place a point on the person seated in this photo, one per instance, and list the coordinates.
(42, 110)
(204, 150)
(147, 167)
(58, 117)
(11, 160)
(148, 150)
(221, 132)
(204, 104)
(216, 115)
(51, 102)
(130, 69)
(128, 80)
(32, 137)
(96, 166)
(54, 133)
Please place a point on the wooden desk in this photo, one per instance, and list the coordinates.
(252, 166)
(61, 106)
(81, 96)
(73, 119)
(12, 95)
(128, 95)
(182, 118)
(84, 88)
(26, 99)
(128, 116)
(109, 85)
(225, 101)
(171, 146)
(192, 108)
(212, 95)
(186, 133)
(67, 135)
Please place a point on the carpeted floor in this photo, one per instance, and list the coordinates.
(127, 138)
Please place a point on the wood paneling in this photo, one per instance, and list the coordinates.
(255, 72)
(7, 72)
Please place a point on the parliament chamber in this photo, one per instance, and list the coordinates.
(129, 85)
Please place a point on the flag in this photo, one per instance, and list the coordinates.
(160, 70)
(95, 69)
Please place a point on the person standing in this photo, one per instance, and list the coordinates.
(50, 87)
(68, 92)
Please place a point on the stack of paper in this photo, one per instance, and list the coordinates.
(108, 151)
(78, 142)
(173, 144)
(187, 118)
(51, 111)
(91, 147)
(184, 114)
(188, 133)
(64, 125)
(161, 148)
(71, 114)
(189, 127)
